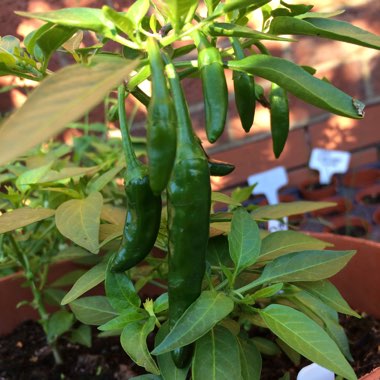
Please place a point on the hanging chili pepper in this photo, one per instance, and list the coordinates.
(189, 202)
(244, 88)
(214, 86)
(220, 168)
(279, 118)
(161, 131)
(143, 217)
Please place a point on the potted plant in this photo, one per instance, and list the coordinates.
(223, 279)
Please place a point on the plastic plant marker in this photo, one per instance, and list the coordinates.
(315, 372)
(269, 183)
(328, 163)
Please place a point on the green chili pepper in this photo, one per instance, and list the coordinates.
(244, 87)
(143, 207)
(214, 86)
(279, 118)
(161, 131)
(189, 202)
(220, 168)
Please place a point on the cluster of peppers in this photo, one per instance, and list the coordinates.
(178, 164)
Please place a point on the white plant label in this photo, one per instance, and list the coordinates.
(269, 183)
(315, 372)
(328, 163)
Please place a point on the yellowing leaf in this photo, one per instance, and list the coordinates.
(60, 99)
(79, 220)
(22, 217)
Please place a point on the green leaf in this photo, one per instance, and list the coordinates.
(297, 81)
(304, 266)
(218, 252)
(325, 28)
(330, 295)
(95, 310)
(79, 221)
(168, 369)
(178, 11)
(233, 30)
(223, 198)
(250, 360)
(65, 173)
(287, 209)
(68, 278)
(87, 281)
(282, 242)
(146, 377)
(98, 183)
(243, 240)
(22, 217)
(306, 337)
(122, 320)
(269, 291)
(241, 194)
(82, 335)
(266, 346)
(120, 291)
(293, 355)
(60, 98)
(198, 319)
(31, 177)
(216, 356)
(59, 323)
(161, 303)
(81, 18)
(133, 340)
(238, 4)
(279, 118)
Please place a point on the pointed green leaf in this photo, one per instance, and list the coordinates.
(250, 360)
(330, 295)
(223, 198)
(304, 266)
(94, 310)
(269, 291)
(31, 177)
(120, 291)
(61, 98)
(98, 183)
(133, 340)
(243, 240)
(82, 335)
(122, 320)
(288, 209)
(22, 217)
(198, 319)
(81, 18)
(79, 220)
(325, 28)
(297, 81)
(307, 337)
(282, 242)
(59, 323)
(87, 281)
(216, 356)
(68, 279)
(168, 369)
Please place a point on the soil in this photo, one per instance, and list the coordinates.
(372, 199)
(25, 356)
(354, 231)
(316, 186)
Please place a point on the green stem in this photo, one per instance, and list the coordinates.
(249, 286)
(130, 156)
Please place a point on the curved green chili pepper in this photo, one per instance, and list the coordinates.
(214, 86)
(143, 217)
(244, 87)
(220, 168)
(279, 118)
(189, 202)
(161, 130)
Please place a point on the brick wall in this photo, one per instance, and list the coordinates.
(353, 69)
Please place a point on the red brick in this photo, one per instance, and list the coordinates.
(374, 68)
(297, 176)
(347, 134)
(367, 156)
(258, 156)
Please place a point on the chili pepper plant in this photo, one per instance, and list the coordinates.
(220, 278)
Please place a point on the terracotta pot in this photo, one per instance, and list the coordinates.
(348, 226)
(342, 206)
(364, 177)
(312, 190)
(374, 375)
(369, 196)
(12, 293)
(359, 281)
(376, 216)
